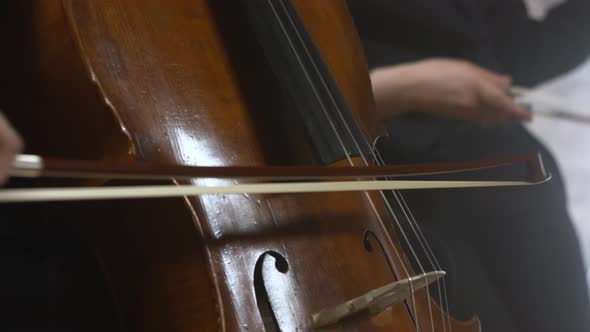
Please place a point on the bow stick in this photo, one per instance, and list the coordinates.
(35, 166)
(550, 105)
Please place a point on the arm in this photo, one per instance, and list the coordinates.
(447, 88)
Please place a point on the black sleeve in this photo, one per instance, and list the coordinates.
(381, 54)
(400, 31)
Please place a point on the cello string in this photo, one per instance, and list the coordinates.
(340, 113)
(431, 256)
(417, 230)
(444, 305)
(366, 163)
(338, 136)
(335, 104)
(312, 85)
(409, 220)
(316, 93)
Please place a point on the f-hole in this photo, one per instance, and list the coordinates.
(367, 235)
(263, 264)
(369, 247)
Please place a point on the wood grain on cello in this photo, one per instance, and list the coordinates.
(217, 83)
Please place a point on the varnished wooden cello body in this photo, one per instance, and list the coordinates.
(195, 82)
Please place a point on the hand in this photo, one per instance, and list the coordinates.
(448, 88)
(10, 145)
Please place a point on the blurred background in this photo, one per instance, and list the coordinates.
(570, 143)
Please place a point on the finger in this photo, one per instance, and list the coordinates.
(500, 80)
(10, 144)
(5, 165)
(10, 140)
(503, 82)
(503, 107)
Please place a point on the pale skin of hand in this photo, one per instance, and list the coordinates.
(10, 145)
(447, 88)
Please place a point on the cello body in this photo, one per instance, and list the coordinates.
(184, 82)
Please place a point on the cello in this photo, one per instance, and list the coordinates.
(218, 83)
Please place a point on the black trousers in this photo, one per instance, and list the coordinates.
(512, 254)
(49, 280)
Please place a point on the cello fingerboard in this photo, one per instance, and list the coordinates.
(305, 79)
